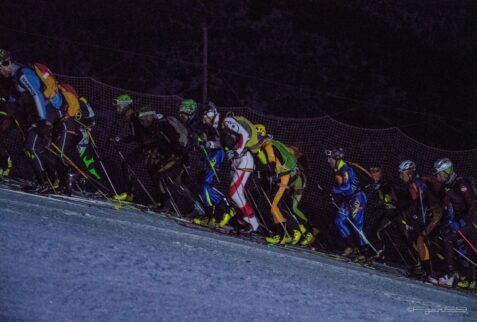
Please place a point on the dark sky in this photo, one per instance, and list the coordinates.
(374, 64)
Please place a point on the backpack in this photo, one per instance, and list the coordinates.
(364, 176)
(50, 85)
(252, 143)
(71, 98)
(180, 129)
(85, 114)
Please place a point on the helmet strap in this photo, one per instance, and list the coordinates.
(340, 164)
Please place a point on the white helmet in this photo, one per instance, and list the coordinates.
(444, 164)
(407, 165)
(213, 114)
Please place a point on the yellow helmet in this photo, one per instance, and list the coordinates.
(261, 130)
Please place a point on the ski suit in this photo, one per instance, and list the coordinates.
(459, 203)
(214, 155)
(423, 213)
(41, 114)
(351, 200)
(281, 165)
(241, 161)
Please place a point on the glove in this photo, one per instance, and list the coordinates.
(456, 225)
(210, 145)
(201, 139)
(230, 154)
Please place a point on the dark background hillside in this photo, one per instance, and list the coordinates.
(375, 64)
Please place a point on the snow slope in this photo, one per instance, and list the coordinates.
(61, 261)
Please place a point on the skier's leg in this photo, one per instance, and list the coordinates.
(242, 168)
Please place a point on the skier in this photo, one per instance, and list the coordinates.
(123, 105)
(389, 214)
(41, 111)
(279, 164)
(162, 150)
(422, 214)
(217, 207)
(296, 188)
(240, 138)
(459, 202)
(349, 199)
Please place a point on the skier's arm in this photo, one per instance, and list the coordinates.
(469, 202)
(344, 185)
(30, 81)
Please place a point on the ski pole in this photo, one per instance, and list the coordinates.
(260, 188)
(467, 241)
(212, 166)
(396, 248)
(171, 198)
(360, 232)
(423, 213)
(264, 225)
(143, 187)
(60, 153)
(93, 144)
(462, 255)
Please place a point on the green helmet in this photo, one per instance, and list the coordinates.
(188, 106)
(4, 54)
(123, 100)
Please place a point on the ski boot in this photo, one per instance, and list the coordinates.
(361, 256)
(6, 172)
(273, 240)
(245, 230)
(348, 251)
(464, 283)
(307, 239)
(226, 218)
(296, 237)
(447, 280)
(70, 183)
(204, 221)
(43, 188)
(287, 239)
(124, 197)
(417, 271)
(433, 279)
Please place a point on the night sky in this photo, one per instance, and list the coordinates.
(376, 64)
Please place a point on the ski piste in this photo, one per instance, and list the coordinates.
(86, 199)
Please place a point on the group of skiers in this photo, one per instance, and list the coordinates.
(436, 215)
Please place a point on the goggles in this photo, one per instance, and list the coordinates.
(121, 103)
(148, 113)
(5, 63)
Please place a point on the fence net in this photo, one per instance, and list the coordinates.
(368, 147)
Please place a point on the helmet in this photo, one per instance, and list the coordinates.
(443, 164)
(212, 114)
(261, 130)
(376, 174)
(4, 55)
(407, 165)
(123, 100)
(335, 153)
(211, 111)
(188, 106)
(146, 110)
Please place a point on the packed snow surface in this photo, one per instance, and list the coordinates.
(68, 261)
